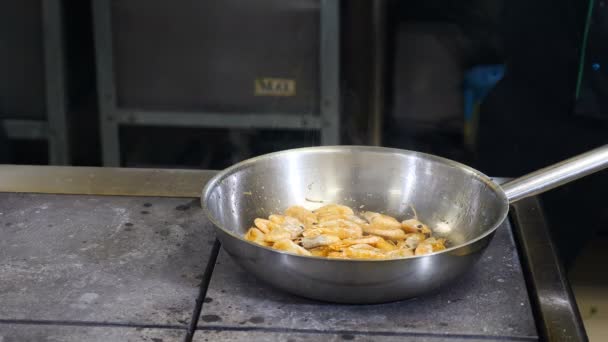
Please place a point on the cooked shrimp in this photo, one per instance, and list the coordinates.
(264, 225)
(277, 234)
(415, 226)
(365, 246)
(337, 255)
(322, 251)
(385, 245)
(321, 240)
(332, 212)
(304, 215)
(342, 228)
(289, 246)
(349, 242)
(339, 232)
(358, 253)
(399, 253)
(355, 219)
(339, 223)
(438, 244)
(430, 245)
(412, 240)
(380, 221)
(255, 235)
(334, 231)
(291, 224)
(391, 234)
(424, 248)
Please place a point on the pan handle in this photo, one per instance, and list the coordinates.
(558, 174)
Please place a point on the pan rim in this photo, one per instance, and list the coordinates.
(341, 148)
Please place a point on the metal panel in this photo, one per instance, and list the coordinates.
(555, 307)
(306, 118)
(224, 120)
(111, 259)
(204, 56)
(103, 181)
(33, 86)
(70, 333)
(21, 61)
(379, 79)
(330, 72)
(105, 83)
(59, 152)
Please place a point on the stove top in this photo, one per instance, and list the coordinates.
(99, 268)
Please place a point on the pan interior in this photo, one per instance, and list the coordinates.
(456, 201)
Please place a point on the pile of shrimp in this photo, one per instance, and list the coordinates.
(335, 231)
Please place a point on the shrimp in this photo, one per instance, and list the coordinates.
(290, 246)
(256, 236)
(341, 228)
(438, 244)
(364, 246)
(391, 234)
(337, 255)
(304, 215)
(340, 223)
(321, 240)
(332, 212)
(277, 234)
(355, 219)
(359, 253)
(380, 221)
(430, 245)
(264, 225)
(424, 248)
(291, 224)
(342, 233)
(350, 242)
(412, 240)
(399, 253)
(335, 231)
(415, 226)
(385, 245)
(322, 251)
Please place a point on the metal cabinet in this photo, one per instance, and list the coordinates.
(267, 64)
(32, 87)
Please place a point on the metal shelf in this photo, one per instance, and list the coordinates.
(54, 127)
(112, 116)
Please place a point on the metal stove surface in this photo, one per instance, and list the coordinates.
(137, 268)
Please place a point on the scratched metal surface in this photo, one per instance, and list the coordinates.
(129, 260)
(286, 336)
(55, 333)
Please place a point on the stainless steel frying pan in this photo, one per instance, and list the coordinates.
(460, 203)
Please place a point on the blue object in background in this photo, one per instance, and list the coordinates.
(478, 81)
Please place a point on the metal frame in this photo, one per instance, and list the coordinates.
(557, 315)
(52, 23)
(55, 127)
(112, 117)
(378, 72)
